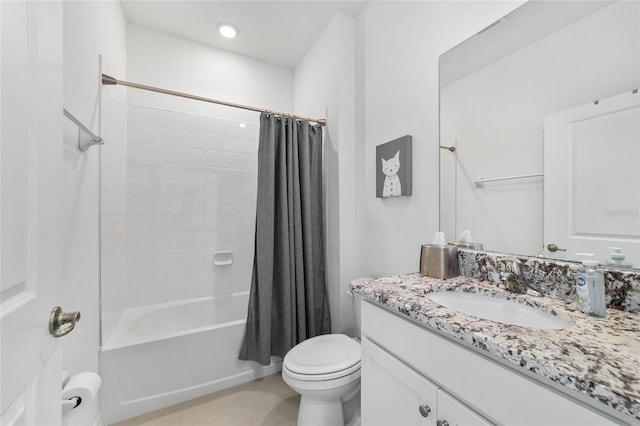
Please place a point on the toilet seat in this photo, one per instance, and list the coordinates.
(324, 357)
(322, 377)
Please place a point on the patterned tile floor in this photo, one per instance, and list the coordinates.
(263, 402)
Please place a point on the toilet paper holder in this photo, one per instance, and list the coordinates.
(79, 399)
(71, 403)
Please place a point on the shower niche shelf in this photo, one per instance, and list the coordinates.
(222, 258)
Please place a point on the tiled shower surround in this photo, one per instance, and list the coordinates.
(191, 192)
(113, 205)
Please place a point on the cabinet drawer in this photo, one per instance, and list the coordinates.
(493, 390)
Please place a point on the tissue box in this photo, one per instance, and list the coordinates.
(439, 261)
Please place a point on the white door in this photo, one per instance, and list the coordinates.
(592, 178)
(30, 209)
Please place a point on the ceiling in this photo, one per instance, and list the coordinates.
(279, 32)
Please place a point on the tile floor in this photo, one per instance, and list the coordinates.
(263, 402)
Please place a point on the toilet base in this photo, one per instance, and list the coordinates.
(351, 408)
(317, 412)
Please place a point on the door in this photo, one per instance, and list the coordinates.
(30, 210)
(592, 178)
(393, 393)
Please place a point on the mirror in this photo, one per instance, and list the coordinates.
(528, 170)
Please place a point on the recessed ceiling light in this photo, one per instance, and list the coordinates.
(227, 30)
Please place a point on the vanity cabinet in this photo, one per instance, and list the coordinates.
(395, 394)
(406, 367)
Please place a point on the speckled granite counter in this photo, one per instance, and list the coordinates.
(598, 358)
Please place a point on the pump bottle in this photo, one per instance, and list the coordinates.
(590, 294)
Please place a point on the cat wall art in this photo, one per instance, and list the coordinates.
(392, 186)
(393, 168)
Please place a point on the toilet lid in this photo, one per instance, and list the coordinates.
(323, 354)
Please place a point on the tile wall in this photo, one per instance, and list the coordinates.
(113, 205)
(191, 192)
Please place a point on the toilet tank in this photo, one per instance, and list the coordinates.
(355, 304)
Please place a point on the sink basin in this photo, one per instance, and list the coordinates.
(497, 309)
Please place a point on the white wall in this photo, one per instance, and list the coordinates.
(90, 29)
(113, 204)
(324, 84)
(162, 60)
(395, 89)
(396, 95)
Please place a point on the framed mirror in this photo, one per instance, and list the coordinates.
(540, 132)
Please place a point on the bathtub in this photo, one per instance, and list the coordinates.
(161, 355)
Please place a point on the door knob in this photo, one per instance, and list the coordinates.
(553, 248)
(61, 323)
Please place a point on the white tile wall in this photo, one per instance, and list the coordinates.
(113, 206)
(191, 191)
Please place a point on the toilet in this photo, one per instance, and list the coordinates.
(325, 371)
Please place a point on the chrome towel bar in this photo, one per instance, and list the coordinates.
(480, 181)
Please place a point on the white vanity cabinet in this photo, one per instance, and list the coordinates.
(395, 394)
(406, 368)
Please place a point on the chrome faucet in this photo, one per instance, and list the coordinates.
(512, 277)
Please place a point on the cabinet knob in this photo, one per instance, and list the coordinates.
(424, 410)
(442, 423)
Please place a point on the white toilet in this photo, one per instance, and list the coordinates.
(324, 370)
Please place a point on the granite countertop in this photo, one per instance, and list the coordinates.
(598, 358)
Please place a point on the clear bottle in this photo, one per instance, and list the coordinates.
(590, 293)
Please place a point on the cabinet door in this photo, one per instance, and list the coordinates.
(453, 413)
(393, 393)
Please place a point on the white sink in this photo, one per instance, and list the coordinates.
(497, 309)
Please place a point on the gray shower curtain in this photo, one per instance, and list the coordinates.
(288, 299)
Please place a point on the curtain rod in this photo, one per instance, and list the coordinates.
(108, 80)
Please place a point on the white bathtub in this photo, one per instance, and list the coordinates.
(165, 354)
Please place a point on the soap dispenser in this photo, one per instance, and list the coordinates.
(618, 259)
(590, 293)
